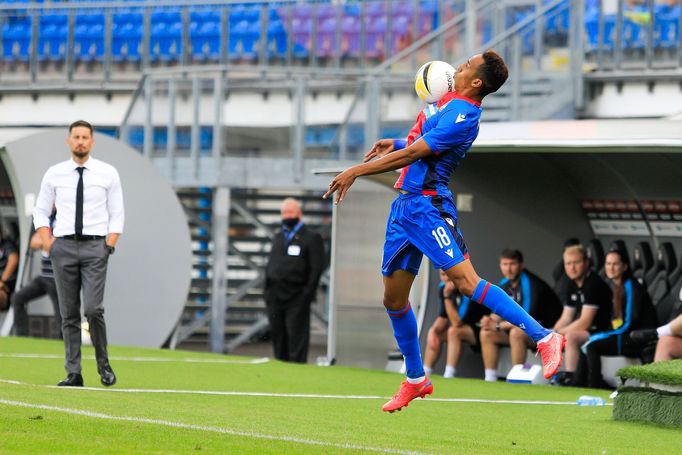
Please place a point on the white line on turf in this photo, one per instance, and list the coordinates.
(188, 426)
(143, 359)
(296, 395)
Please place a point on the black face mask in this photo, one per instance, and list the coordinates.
(290, 222)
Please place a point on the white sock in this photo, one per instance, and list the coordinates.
(449, 372)
(416, 380)
(428, 370)
(490, 375)
(546, 338)
(665, 330)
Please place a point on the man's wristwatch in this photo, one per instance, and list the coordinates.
(111, 249)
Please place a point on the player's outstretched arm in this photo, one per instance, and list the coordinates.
(389, 162)
(382, 148)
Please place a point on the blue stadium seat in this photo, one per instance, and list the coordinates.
(277, 39)
(52, 43)
(205, 39)
(126, 43)
(201, 16)
(243, 38)
(136, 137)
(16, 41)
(168, 16)
(592, 27)
(128, 16)
(667, 28)
(252, 14)
(250, 41)
(634, 35)
(89, 43)
(300, 34)
(205, 139)
(160, 137)
(166, 42)
(236, 15)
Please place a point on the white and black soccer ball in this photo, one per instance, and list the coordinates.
(433, 80)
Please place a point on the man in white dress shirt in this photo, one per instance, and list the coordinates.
(89, 200)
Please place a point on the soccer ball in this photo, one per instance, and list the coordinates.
(434, 79)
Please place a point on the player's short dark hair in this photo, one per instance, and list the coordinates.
(493, 72)
(514, 255)
(79, 123)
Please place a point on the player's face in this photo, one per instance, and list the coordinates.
(465, 76)
(614, 266)
(575, 265)
(80, 141)
(510, 268)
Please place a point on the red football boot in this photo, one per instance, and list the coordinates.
(408, 392)
(551, 353)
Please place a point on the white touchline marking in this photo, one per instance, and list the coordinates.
(293, 395)
(144, 359)
(188, 426)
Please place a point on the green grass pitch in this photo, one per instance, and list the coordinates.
(245, 415)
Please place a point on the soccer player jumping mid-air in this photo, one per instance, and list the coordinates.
(423, 218)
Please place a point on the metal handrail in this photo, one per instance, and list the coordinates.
(428, 38)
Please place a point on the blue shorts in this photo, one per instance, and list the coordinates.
(422, 225)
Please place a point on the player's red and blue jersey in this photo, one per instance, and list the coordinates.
(449, 127)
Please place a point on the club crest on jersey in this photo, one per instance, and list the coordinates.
(461, 118)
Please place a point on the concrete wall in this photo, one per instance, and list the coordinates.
(150, 273)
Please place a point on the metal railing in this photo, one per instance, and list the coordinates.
(181, 115)
(91, 41)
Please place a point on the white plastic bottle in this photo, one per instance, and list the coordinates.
(587, 400)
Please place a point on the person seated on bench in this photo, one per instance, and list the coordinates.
(534, 295)
(587, 310)
(456, 324)
(632, 309)
(669, 338)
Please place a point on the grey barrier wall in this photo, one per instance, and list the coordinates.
(362, 328)
(149, 276)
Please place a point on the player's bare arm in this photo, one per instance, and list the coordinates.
(380, 149)
(389, 162)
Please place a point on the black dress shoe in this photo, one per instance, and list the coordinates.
(644, 335)
(72, 380)
(107, 375)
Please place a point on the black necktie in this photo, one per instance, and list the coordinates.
(79, 202)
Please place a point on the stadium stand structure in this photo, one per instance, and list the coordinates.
(253, 218)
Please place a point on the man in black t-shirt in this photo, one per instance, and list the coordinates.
(587, 309)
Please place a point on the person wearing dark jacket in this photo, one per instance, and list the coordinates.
(535, 296)
(632, 310)
(296, 262)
